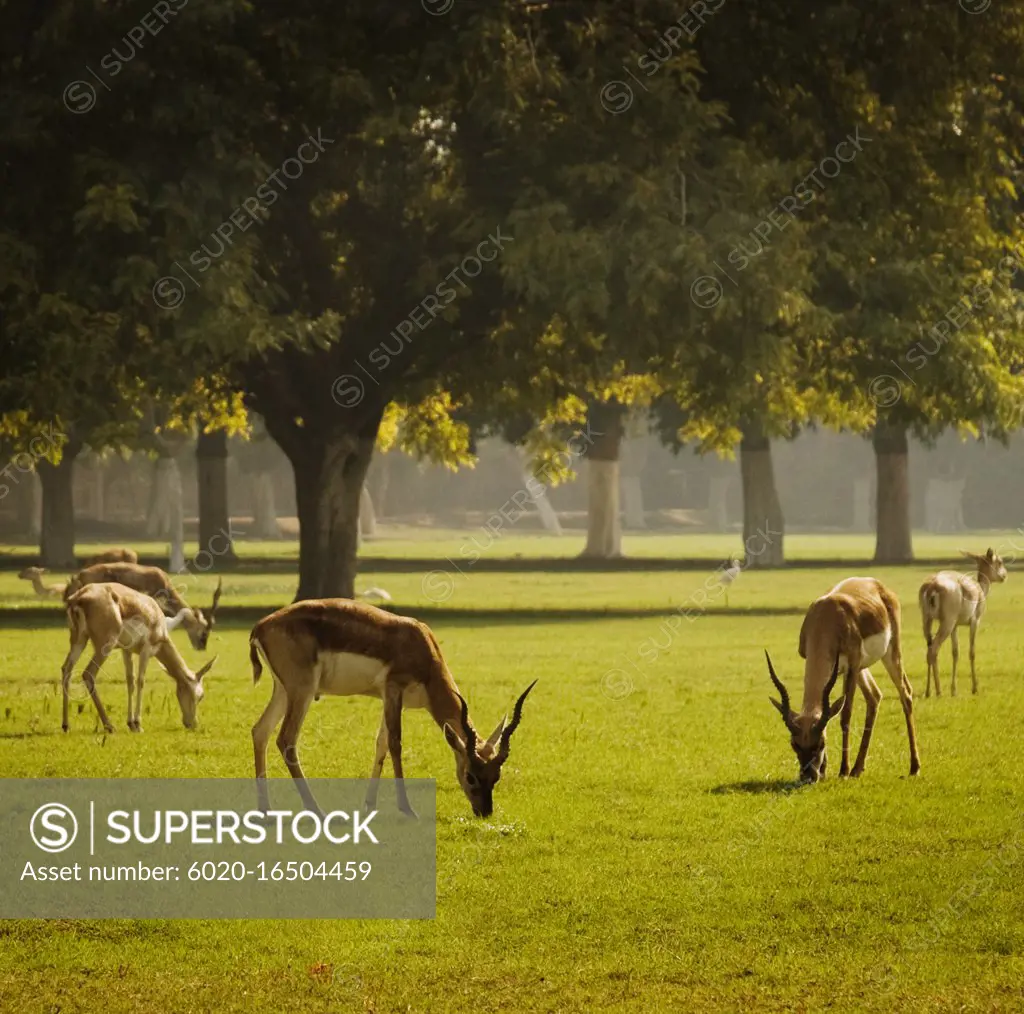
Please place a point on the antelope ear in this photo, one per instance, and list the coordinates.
(205, 669)
(492, 740)
(836, 706)
(453, 739)
(989, 555)
(778, 707)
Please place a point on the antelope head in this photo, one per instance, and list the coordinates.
(807, 732)
(990, 566)
(190, 692)
(478, 765)
(200, 624)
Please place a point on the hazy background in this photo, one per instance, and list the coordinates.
(825, 481)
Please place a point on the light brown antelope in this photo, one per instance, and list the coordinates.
(850, 629)
(341, 647)
(956, 600)
(113, 616)
(46, 591)
(113, 556)
(157, 584)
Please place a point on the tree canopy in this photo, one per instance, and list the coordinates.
(347, 223)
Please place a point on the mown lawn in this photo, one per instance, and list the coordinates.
(505, 539)
(648, 851)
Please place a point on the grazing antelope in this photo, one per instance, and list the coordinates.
(341, 647)
(851, 628)
(46, 591)
(114, 616)
(113, 556)
(156, 583)
(956, 600)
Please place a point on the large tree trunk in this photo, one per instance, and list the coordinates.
(604, 529)
(763, 527)
(212, 481)
(892, 460)
(329, 475)
(57, 535)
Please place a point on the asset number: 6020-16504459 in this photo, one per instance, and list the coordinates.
(290, 870)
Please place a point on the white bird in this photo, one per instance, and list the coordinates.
(380, 594)
(727, 575)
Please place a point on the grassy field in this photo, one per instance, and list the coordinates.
(649, 850)
(400, 542)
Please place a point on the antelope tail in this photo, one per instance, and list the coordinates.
(76, 623)
(254, 657)
(930, 605)
(257, 652)
(931, 598)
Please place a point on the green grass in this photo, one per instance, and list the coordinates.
(411, 542)
(647, 851)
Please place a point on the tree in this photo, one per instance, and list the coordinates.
(80, 242)
(212, 480)
(914, 225)
(605, 421)
(451, 160)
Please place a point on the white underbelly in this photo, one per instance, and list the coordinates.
(872, 649)
(343, 673)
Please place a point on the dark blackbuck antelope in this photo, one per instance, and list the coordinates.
(341, 647)
(848, 630)
(956, 600)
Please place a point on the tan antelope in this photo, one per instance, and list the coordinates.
(46, 591)
(850, 629)
(113, 616)
(341, 647)
(113, 556)
(956, 600)
(157, 584)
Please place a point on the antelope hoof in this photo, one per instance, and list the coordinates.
(409, 812)
(857, 772)
(915, 767)
(65, 727)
